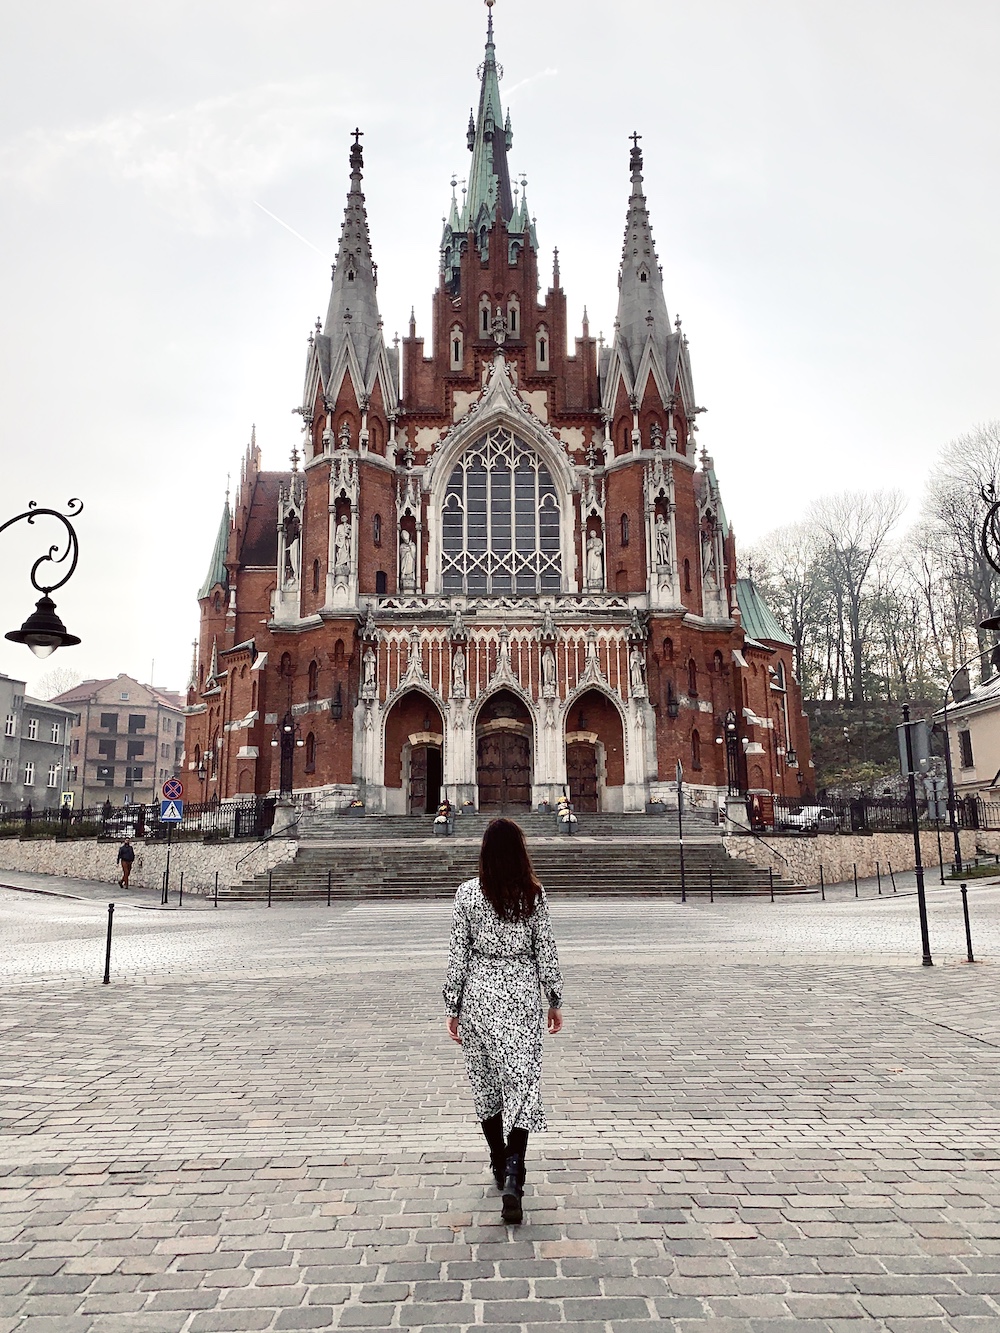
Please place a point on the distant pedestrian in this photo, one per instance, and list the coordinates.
(140, 822)
(107, 810)
(65, 811)
(126, 855)
(502, 950)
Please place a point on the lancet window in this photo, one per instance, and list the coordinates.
(500, 522)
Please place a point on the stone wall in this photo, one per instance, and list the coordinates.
(839, 853)
(86, 858)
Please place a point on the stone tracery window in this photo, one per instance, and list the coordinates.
(500, 522)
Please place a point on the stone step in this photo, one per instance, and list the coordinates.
(330, 825)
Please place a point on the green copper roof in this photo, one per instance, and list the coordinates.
(758, 619)
(217, 572)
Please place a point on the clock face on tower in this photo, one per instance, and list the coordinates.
(500, 522)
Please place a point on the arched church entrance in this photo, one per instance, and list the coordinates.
(414, 737)
(595, 754)
(503, 754)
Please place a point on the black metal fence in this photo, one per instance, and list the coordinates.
(878, 815)
(239, 820)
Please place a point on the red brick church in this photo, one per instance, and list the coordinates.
(499, 570)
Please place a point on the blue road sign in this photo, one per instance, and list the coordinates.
(171, 812)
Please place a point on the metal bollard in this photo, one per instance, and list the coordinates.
(328, 888)
(180, 896)
(770, 876)
(892, 876)
(968, 929)
(855, 879)
(216, 888)
(711, 884)
(107, 948)
(822, 884)
(164, 891)
(878, 876)
(269, 888)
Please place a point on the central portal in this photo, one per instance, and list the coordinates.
(503, 755)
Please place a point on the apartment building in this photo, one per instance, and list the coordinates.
(34, 749)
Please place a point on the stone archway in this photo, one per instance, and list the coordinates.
(595, 753)
(414, 740)
(503, 754)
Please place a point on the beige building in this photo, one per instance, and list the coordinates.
(126, 739)
(974, 737)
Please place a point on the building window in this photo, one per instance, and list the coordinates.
(180, 728)
(109, 721)
(105, 775)
(136, 722)
(624, 529)
(7, 772)
(133, 777)
(136, 749)
(10, 724)
(313, 680)
(106, 749)
(500, 522)
(29, 774)
(692, 678)
(381, 583)
(695, 751)
(458, 347)
(315, 576)
(668, 650)
(55, 733)
(32, 728)
(965, 748)
(310, 753)
(514, 317)
(687, 575)
(542, 349)
(76, 747)
(484, 316)
(53, 776)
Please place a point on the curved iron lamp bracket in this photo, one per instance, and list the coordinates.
(70, 552)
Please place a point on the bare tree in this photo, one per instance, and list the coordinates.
(57, 680)
(854, 528)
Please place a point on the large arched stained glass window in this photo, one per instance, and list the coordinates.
(500, 522)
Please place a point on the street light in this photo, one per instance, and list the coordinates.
(287, 738)
(43, 631)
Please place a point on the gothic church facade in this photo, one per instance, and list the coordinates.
(503, 571)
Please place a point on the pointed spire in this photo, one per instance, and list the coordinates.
(353, 309)
(489, 142)
(642, 307)
(556, 283)
(217, 572)
(193, 678)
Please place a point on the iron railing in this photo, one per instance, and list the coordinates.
(244, 820)
(864, 814)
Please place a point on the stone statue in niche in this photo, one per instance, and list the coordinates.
(548, 673)
(407, 563)
(662, 533)
(548, 630)
(292, 530)
(342, 546)
(369, 682)
(458, 674)
(595, 561)
(708, 562)
(637, 673)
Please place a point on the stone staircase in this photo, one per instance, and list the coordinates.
(378, 864)
(325, 825)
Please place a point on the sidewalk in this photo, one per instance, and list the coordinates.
(97, 890)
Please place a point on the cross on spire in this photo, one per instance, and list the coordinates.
(357, 135)
(635, 137)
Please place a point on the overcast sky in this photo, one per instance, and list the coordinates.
(822, 177)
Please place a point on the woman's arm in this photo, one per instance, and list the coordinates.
(547, 957)
(459, 953)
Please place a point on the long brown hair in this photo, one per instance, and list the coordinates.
(505, 872)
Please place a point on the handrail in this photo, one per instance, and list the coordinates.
(262, 842)
(750, 832)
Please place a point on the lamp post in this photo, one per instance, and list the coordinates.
(43, 632)
(287, 738)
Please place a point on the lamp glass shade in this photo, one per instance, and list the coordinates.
(43, 632)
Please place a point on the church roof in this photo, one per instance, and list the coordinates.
(217, 572)
(642, 307)
(759, 621)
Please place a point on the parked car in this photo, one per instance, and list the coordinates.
(811, 819)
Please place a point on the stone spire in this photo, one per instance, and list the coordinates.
(642, 308)
(353, 313)
(217, 572)
(489, 193)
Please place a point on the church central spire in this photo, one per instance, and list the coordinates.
(490, 139)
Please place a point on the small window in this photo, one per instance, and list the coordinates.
(313, 680)
(310, 753)
(32, 728)
(136, 722)
(133, 777)
(965, 748)
(10, 724)
(29, 774)
(124, 696)
(377, 529)
(624, 529)
(643, 277)
(7, 771)
(457, 348)
(695, 751)
(55, 733)
(180, 728)
(668, 650)
(484, 316)
(542, 349)
(136, 749)
(53, 775)
(692, 678)
(106, 749)
(76, 747)
(105, 775)
(381, 583)
(687, 575)
(315, 576)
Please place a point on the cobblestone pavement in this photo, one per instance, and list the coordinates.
(762, 1117)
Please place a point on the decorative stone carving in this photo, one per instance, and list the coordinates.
(662, 542)
(369, 679)
(548, 673)
(637, 673)
(595, 562)
(458, 674)
(407, 563)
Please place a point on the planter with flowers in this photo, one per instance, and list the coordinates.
(442, 820)
(355, 810)
(655, 807)
(565, 818)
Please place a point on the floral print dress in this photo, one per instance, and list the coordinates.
(495, 968)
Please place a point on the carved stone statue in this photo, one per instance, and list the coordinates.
(637, 671)
(292, 530)
(662, 533)
(595, 561)
(708, 553)
(548, 629)
(342, 545)
(548, 672)
(458, 674)
(407, 563)
(369, 684)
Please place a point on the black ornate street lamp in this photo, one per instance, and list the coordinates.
(43, 631)
(732, 754)
(286, 738)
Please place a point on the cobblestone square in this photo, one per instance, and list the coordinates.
(763, 1116)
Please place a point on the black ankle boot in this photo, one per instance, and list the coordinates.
(513, 1185)
(493, 1133)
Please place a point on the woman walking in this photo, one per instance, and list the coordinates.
(502, 950)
